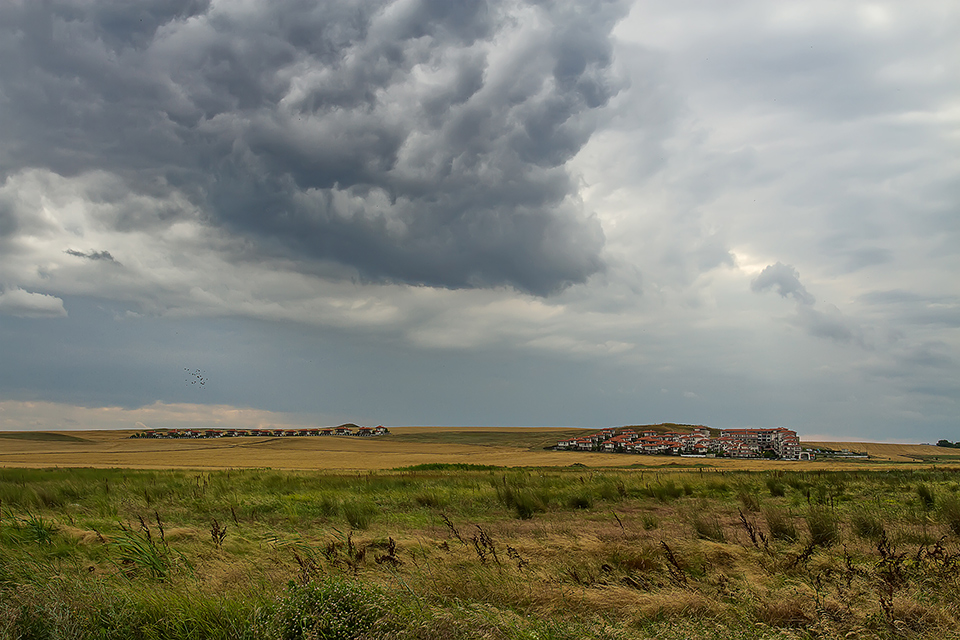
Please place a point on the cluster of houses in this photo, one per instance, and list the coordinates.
(734, 443)
(343, 430)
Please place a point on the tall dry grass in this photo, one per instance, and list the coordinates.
(446, 552)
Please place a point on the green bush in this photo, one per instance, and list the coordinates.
(330, 609)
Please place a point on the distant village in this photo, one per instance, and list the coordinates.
(342, 430)
(697, 442)
(779, 443)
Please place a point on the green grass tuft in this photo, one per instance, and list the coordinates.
(823, 525)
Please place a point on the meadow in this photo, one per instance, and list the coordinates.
(405, 446)
(481, 551)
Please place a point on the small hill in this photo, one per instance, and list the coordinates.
(664, 427)
(44, 436)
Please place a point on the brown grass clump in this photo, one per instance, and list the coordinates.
(679, 603)
(184, 533)
(81, 536)
(637, 607)
(788, 610)
(641, 558)
(918, 617)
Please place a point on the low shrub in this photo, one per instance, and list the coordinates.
(329, 609)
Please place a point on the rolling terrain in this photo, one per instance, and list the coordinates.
(405, 446)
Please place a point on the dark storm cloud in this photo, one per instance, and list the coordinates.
(420, 142)
(93, 255)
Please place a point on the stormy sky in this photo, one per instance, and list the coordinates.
(481, 213)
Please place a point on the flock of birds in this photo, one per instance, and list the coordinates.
(195, 376)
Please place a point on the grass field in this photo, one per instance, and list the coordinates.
(406, 446)
(470, 543)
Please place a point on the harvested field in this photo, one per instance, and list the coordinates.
(406, 446)
(895, 452)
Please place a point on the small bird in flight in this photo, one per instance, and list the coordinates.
(195, 376)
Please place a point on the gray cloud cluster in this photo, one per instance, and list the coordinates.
(414, 141)
(786, 280)
(830, 324)
(92, 255)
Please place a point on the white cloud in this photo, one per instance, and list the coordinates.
(56, 416)
(17, 302)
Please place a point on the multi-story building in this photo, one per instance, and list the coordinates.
(781, 441)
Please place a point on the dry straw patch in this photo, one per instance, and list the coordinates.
(785, 609)
(80, 536)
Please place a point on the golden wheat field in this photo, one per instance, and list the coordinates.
(405, 446)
